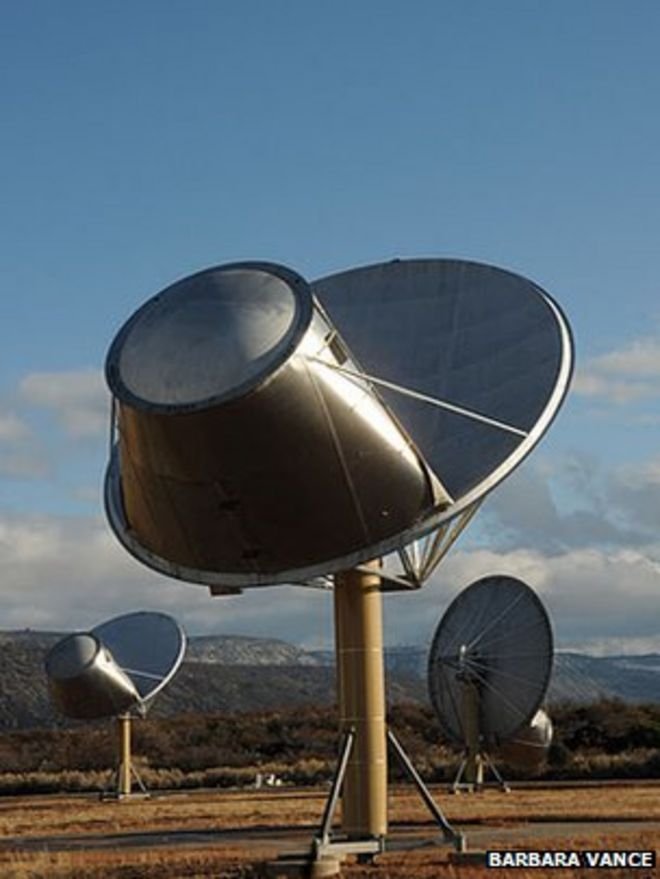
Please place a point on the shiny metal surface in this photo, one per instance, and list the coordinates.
(209, 338)
(149, 647)
(85, 681)
(119, 666)
(528, 749)
(267, 435)
(469, 335)
(304, 474)
(496, 637)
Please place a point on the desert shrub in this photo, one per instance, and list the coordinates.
(559, 755)
(605, 739)
(609, 725)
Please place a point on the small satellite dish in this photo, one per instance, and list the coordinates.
(490, 664)
(272, 432)
(117, 668)
(149, 648)
(85, 681)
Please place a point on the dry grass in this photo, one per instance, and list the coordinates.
(129, 865)
(26, 817)
(616, 802)
(431, 865)
(205, 810)
(45, 816)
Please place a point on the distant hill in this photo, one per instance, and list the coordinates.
(235, 673)
(242, 650)
(29, 638)
(220, 673)
(576, 677)
(581, 678)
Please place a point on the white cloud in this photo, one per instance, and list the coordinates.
(61, 573)
(89, 494)
(64, 573)
(575, 504)
(12, 428)
(615, 646)
(24, 463)
(642, 474)
(634, 490)
(619, 391)
(20, 456)
(78, 398)
(589, 593)
(640, 358)
(625, 375)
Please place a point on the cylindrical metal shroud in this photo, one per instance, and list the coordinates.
(302, 472)
(528, 749)
(84, 680)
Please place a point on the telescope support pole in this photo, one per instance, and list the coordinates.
(124, 743)
(472, 764)
(361, 696)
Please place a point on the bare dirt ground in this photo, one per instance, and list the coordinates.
(231, 833)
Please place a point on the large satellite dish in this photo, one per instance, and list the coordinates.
(272, 432)
(114, 670)
(490, 663)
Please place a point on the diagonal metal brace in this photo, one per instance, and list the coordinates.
(448, 831)
(331, 803)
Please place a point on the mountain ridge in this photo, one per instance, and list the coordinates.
(235, 673)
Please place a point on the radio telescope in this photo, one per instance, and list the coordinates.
(529, 747)
(116, 670)
(489, 669)
(340, 434)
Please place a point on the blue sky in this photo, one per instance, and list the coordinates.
(142, 141)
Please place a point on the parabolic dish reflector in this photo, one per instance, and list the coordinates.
(148, 647)
(473, 360)
(496, 636)
(272, 432)
(118, 666)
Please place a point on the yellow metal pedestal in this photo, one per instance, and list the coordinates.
(124, 746)
(361, 776)
(361, 694)
(121, 785)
